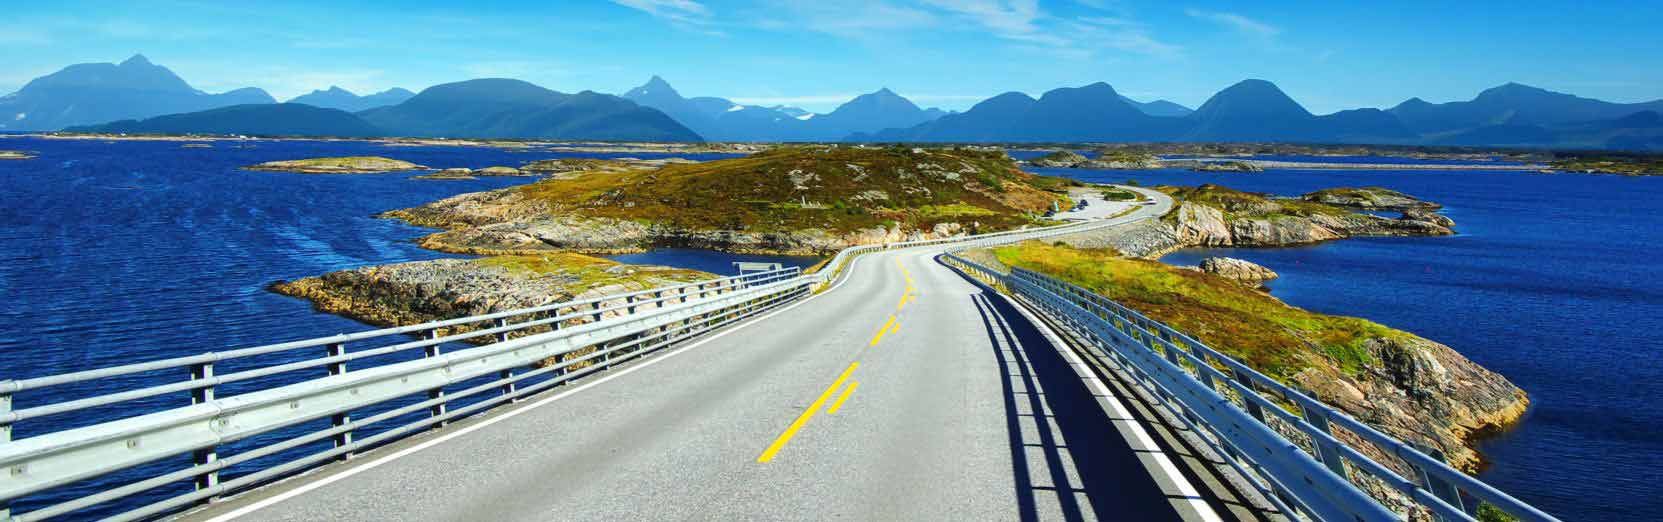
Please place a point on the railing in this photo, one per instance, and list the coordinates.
(547, 346)
(1231, 407)
(220, 427)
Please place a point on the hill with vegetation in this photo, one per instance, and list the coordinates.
(1411, 387)
(807, 200)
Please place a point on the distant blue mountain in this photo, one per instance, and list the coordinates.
(1161, 108)
(1091, 113)
(99, 92)
(338, 98)
(1512, 104)
(504, 108)
(722, 119)
(265, 119)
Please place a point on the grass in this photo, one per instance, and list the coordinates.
(1114, 194)
(589, 271)
(1258, 329)
(840, 189)
(1635, 165)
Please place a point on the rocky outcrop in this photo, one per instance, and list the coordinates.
(1370, 198)
(501, 171)
(549, 233)
(1423, 392)
(411, 293)
(14, 155)
(456, 173)
(1060, 159)
(1218, 217)
(1241, 271)
(1212, 166)
(343, 165)
(1121, 163)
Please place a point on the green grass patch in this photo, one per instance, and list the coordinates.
(1258, 329)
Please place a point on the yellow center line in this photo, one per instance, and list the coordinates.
(791, 431)
(838, 404)
(882, 331)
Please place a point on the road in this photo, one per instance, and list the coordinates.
(1099, 208)
(904, 393)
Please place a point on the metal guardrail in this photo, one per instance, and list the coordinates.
(530, 350)
(1234, 407)
(559, 342)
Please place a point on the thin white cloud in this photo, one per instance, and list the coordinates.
(1239, 23)
(678, 11)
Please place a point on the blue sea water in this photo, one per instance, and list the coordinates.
(1552, 282)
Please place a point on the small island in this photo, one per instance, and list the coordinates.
(15, 155)
(340, 165)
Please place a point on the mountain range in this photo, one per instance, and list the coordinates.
(1511, 115)
(137, 96)
(723, 120)
(99, 92)
(338, 98)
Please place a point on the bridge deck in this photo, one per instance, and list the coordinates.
(963, 410)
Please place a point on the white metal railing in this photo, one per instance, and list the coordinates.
(1229, 405)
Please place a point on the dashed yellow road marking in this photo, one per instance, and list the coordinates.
(791, 431)
(838, 404)
(882, 331)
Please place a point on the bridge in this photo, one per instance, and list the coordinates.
(899, 382)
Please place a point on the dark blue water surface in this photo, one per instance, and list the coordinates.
(121, 252)
(1553, 282)
(708, 260)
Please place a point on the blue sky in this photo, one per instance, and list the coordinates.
(948, 53)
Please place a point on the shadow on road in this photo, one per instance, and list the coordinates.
(1066, 450)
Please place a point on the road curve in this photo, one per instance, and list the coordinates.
(904, 393)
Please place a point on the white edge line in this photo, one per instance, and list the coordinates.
(310, 486)
(1163, 463)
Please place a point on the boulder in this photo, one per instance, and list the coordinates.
(1245, 272)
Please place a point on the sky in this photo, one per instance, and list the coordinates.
(818, 53)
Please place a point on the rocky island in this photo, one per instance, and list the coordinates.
(1216, 216)
(421, 291)
(1413, 388)
(341, 165)
(15, 155)
(811, 200)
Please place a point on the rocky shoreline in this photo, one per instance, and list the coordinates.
(1220, 217)
(422, 291)
(1413, 388)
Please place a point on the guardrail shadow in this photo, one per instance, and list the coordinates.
(1067, 454)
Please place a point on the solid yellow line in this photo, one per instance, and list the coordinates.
(882, 331)
(838, 404)
(791, 431)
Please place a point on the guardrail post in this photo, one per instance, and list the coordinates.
(342, 418)
(502, 337)
(1253, 407)
(208, 455)
(597, 311)
(1437, 485)
(1327, 452)
(433, 350)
